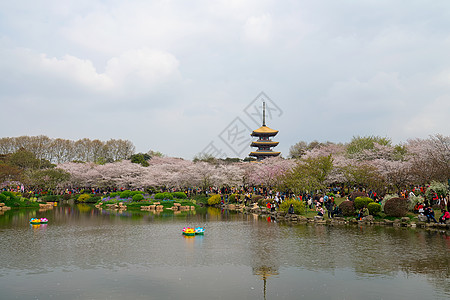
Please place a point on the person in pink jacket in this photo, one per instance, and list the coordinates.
(445, 216)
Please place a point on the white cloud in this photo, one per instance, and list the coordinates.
(78, 71)
(134, 73)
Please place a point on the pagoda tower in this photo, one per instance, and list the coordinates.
(264, 143)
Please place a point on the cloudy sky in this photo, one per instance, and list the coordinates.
(185, 77)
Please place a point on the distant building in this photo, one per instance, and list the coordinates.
(264, 143)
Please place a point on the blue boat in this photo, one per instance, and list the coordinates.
(199, 231)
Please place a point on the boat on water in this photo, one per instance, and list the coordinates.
(36, 221)
(189, 231)
(199, 231)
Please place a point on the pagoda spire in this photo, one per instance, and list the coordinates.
(264, 114)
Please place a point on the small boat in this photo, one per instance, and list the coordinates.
(35, 221)
(199, 231)
(188, 231)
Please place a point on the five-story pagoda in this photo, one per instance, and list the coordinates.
(264, 143)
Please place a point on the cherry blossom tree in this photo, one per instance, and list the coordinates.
(269, 171)
(430, 158)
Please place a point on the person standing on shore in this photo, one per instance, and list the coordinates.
(329, 207)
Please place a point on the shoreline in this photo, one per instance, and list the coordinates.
(299, 219)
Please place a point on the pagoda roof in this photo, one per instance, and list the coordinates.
(263, 153)
(264, 143)
(264, 130)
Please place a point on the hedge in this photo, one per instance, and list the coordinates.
(299, 206)
(214, 200)
(396, 207)
(348, 208)
(360, 202)
(374, 208)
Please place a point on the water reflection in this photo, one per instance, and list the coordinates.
(240, 256)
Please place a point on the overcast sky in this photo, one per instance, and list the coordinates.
(184, 77)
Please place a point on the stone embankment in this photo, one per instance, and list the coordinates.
(179, 207)
(116, 206)
(158, 207)
(3, 207)
(154, 207)
(48, 205)
(280, 216)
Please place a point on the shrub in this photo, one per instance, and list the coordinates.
(3, 197)
(83, 197)
(232, 198)
(386, 198)
(113, 195)
(10, 195)
(299, 206)
(50, 198)
(440, 188)
(356, 194)
(138, 197)
(125, 194)
(18, 202)
(396, 207)
(164, 196)
(348, 208)
(67, 196)
(360, 202)
(179, 195)
(214, 199)
(168, 196)
(374, 208)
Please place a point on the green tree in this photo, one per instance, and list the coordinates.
(309, 175)
(363, 176)
(140, 158)
(298, 150)
(359, 144)
(24, 159)
(155, 153)
(47, 179)
(9, 173)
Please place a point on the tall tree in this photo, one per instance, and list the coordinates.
(309, 175)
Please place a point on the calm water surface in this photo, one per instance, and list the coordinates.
(85, 253)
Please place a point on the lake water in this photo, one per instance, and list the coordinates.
(85, 253)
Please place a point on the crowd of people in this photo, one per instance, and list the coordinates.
(427, 210)
(317, 202)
